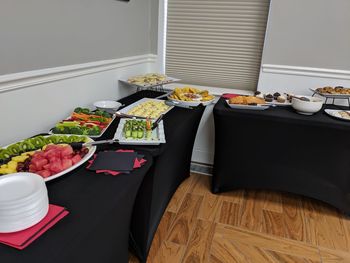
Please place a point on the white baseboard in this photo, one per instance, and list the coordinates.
(299, 80)
(36, 77)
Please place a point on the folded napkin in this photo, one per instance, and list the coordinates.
(24, 238)
(229, 95)
(138, 161)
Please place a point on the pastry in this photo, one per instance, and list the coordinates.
(246, 100)
(268, 97)
(281, 99)
(276, 95)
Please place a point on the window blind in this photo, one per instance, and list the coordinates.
(216, 43)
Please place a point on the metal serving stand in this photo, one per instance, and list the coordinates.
(332, 97)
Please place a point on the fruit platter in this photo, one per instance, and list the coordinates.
(84, 122)
(139, 132)
(147, 108)
(190, 96)
(150, 80)
(48, 156)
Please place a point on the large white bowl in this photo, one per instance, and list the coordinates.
(107, 105)
(307, 107)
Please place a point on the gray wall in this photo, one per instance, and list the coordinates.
(37, 34)
(311, 33)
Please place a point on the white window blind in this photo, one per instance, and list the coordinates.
(216, 43)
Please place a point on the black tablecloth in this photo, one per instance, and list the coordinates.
(279, 149)
(171, 165)
(97, 228)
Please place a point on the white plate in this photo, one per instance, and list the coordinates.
(91, 151)
(19, 187)
(158, 135)
(248, 107)
(336, 114)
(328, 95)
(128, 108)
(23, 223)
(191, 103)
(91, 136)
(275, 102)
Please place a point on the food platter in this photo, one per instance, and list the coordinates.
(248, 107)
(329, 95)
(91, 136)
(190, 96)
(144, 101)
(90, 151)
(156, 136)
(191, 103)
(338, 114)
(168, 80)
(73, 125)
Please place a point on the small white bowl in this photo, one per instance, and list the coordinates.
(107, 105)
(307, 107)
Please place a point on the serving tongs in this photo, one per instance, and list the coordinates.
(157, 121)
(80, 145)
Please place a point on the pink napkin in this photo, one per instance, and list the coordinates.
(137, 164)
(24, 238)
(229, 95)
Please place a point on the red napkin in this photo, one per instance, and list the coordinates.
(229, 95)
(24, 238)
(137, 164)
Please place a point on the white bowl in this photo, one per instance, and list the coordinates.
(107, 105)
(307, 107)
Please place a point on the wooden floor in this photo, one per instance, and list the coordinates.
(248, 227)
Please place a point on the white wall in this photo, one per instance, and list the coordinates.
(28, 108)
(40, 34)
(307, 46)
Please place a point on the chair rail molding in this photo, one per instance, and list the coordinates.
(31, 78)
(306, 71)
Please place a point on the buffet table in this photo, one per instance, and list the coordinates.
(171, 165)
(97, 227)
(278, 149)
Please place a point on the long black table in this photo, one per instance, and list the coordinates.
(171, 165)
(278, 149)
(97, 228)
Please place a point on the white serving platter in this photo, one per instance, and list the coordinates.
(128, 108)
(91, 151)
(275, 102)
(147, 85)
(191, 103)
(336, 114)
(158, 135)
(248, 107)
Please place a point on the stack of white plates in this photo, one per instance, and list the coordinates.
(23, 201)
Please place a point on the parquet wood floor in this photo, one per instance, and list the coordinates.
(248, 227)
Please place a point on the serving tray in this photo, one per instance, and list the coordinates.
(158, 135)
